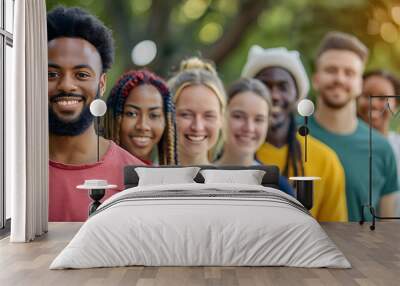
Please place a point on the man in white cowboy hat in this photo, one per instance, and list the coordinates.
(283, 73)
(340, 62)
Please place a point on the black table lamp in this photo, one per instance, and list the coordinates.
(98, 108)
(97, 188)
(305, 109)
(304, 185)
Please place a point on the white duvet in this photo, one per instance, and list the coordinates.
(232, 229)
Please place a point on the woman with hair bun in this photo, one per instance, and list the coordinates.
(199, 98)
(141, 117)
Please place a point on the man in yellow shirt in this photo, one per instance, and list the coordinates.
(283, 73)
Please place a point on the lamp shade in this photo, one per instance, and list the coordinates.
(144, 53)
(98, 107)
(305, 107)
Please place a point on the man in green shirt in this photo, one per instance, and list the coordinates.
(338, 81)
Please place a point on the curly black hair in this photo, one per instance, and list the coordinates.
(77, 23)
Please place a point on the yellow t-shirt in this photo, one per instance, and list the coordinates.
(329, 192)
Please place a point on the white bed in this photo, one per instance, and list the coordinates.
(201, 225)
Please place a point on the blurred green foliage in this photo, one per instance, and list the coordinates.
(224, 30)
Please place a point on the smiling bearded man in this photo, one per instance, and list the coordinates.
(340, 62)
(80, 51)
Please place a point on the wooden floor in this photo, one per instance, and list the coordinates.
(374, 255)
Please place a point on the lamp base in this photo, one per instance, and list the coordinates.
(304, 187)
(97, 189)
(96, 195)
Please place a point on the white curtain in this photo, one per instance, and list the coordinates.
(27, 124)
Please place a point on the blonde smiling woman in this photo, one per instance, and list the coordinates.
(200, 101)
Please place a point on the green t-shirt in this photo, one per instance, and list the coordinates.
(352, 151)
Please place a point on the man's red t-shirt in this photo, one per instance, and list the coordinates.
(66, 202)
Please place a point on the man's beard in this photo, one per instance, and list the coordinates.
(333, 104)
(76, 127)
(59, 127)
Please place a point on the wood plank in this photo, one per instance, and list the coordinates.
(374, 255)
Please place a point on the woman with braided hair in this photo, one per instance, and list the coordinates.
(141, 115)
(199, 98)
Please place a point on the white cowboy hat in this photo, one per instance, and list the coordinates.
(259, 59)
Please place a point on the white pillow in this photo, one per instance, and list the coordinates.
(249, 177)
(163, 176)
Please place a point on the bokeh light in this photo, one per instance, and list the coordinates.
(380, 15)
(395, 11)
(194, 9)
(389, 32)
(144, 53)
(228, 7)
(210, 32)
(140, 6)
